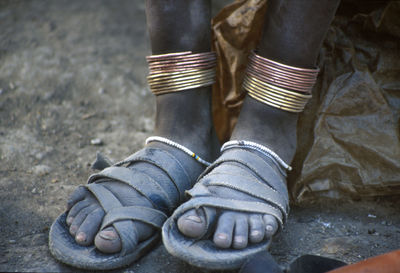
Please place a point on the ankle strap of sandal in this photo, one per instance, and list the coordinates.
(180, 71)
(257, 147)
(178, 146)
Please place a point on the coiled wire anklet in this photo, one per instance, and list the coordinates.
(258, 147)
(178, 146)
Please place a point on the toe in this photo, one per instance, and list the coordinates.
(76, 209)
(224, 230)
(108, 241)
(257, 228)
(241, 232)
(78, 195)
(271, 225)
(79, 218)
(89, 227)
(192, 223)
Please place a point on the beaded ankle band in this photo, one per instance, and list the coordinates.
(279, 85)
(258, 147)
(180, 71)
(178, 146)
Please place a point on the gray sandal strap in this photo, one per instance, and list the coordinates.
(249, 176)
(141, 182)
(149, 216)
(231, 204)
(254, 164)
(106, 198)
(166, 162)
(252, 187)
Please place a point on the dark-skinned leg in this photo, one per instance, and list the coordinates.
(182, 117)
(293, 34)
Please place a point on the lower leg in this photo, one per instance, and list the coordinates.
(293, 34)
(183, 117)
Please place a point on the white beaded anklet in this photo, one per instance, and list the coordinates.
(178, 146)
(258, 147)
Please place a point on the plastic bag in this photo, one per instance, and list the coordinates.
(348, 135)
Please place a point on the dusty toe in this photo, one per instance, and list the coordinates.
(89, 227)
(271, 225)
(257, 228)
(192, 223)
(76, 209)
(79, 218)
(241, 231)
(224, 230)
(78, 195)
(108, 241)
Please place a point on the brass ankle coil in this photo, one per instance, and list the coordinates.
(279, 85)
(180, 71)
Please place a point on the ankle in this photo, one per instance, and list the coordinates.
(267, 126)
(185, 117)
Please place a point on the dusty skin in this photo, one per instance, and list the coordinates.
(72, 74)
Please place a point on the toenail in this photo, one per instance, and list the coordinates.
(269, 228)
(239, 239)
(69, 220)
(222, 236)
(108, 235)
(255, 233)
(194, 218)
(81, 237)
(73, 229)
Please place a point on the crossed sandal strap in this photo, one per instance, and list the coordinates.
(250, 177)
(125, 228)
(166, 162)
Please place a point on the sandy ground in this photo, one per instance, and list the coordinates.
(73, 72)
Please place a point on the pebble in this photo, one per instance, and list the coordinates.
(1, 91)
(34, 190)
(371, 216)
(96, 141)
(41, 170)
(12, 241)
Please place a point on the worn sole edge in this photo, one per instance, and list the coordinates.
(203, 253)
(64, 248)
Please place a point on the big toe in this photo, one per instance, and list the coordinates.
(108, 241)
(192, 223)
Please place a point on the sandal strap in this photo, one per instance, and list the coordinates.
(249, 176)
(254, 164)
(252, 187)
(166, 162)
(230, 204)
(146, 215)
(141, 182)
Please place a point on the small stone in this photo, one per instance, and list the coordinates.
(371, 216)
(371, 231)
(34, 190)
(101, 91)
(384, 223)
(96, 141)
(54, 180)
(11, 85)
(41, 170)
(12, 241)
(1, 91)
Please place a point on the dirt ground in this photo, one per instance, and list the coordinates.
(72, 82)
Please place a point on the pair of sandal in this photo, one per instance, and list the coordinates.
(243, 166)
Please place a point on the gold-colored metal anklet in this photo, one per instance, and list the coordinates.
(180, 71)
(279, 85)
